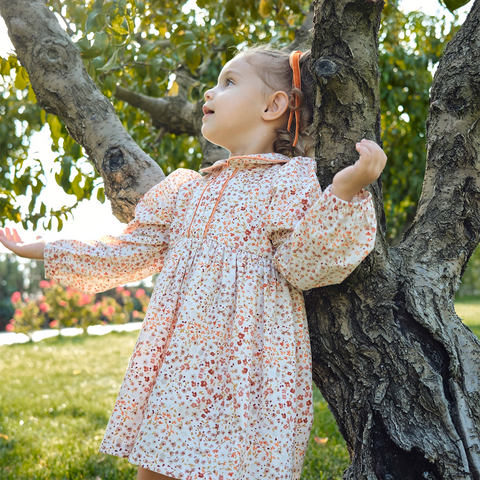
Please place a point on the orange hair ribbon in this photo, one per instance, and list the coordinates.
(296, 83)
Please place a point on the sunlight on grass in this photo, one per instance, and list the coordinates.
(57, 396)
(55, 402)
(468, 309)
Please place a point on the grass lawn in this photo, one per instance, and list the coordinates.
(468, 309)
(56, 397)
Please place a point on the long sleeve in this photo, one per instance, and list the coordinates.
(98, 265)
(319, 239)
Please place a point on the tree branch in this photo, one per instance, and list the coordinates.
(175, 115)
(448, 213)
(63, 87)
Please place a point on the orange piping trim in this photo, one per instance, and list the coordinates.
(218, 199)
(198, 204)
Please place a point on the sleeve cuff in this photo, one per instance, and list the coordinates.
(363, 196)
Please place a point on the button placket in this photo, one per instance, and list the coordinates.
(199, 201)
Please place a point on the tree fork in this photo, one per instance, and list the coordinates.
(63, 88)
(397, 366)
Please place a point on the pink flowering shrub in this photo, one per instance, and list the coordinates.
(143, 299)
(59, 307)
(28, 316)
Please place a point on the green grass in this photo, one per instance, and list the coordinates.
(56, 397)
(468, 309)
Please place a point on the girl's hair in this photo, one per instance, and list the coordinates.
(273, 67)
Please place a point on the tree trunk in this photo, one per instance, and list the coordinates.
(400, 371)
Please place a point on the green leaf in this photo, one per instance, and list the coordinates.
(265, 8)
(183, 36)
(101, 195)
(63, 177)
(31, 205)
(230, 7)
(91, 21)
(453, 5)
(83, 44)
(193, 57)
(112, 63)
(116, 24)
(76, 188)
(100, 44)
(55, 128)
(5, 67)
(21, 78)
(32, 98)
(99, 4)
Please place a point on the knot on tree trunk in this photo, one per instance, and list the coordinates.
(55, 55)
(325, 69)
(114, 159)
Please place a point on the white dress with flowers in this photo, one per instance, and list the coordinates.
(219, 384)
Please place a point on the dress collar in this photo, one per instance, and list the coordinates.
(247, 160)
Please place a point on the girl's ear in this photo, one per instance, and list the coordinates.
(276, 106)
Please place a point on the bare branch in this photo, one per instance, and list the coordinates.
(63, 87)
(144, 102)
(174, 113)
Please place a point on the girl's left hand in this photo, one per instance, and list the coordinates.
(349, 181)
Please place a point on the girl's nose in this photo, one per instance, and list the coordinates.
(208, 94)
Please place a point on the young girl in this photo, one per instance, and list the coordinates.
(219, 384)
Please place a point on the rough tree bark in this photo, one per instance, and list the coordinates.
(400, 371)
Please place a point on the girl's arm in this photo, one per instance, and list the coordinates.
(12, 241)
(320, 237)
(97, 265)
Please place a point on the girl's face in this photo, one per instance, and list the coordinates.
(235, 107)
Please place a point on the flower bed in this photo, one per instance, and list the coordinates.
(62, 308)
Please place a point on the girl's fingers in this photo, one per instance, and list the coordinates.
(10, 237)
(364, 152)
(16, 236)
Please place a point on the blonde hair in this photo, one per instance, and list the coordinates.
(273, 67)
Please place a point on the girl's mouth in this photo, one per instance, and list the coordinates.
(207, 111)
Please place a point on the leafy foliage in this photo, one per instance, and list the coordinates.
(164, 47)
(411, 45)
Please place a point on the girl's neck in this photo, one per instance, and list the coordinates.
(254, 148)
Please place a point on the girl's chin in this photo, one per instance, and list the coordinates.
(211, 137)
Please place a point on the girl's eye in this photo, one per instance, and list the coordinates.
(228, 80)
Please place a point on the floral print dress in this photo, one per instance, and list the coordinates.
(219, 384)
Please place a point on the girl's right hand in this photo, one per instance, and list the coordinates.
(12, 240)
